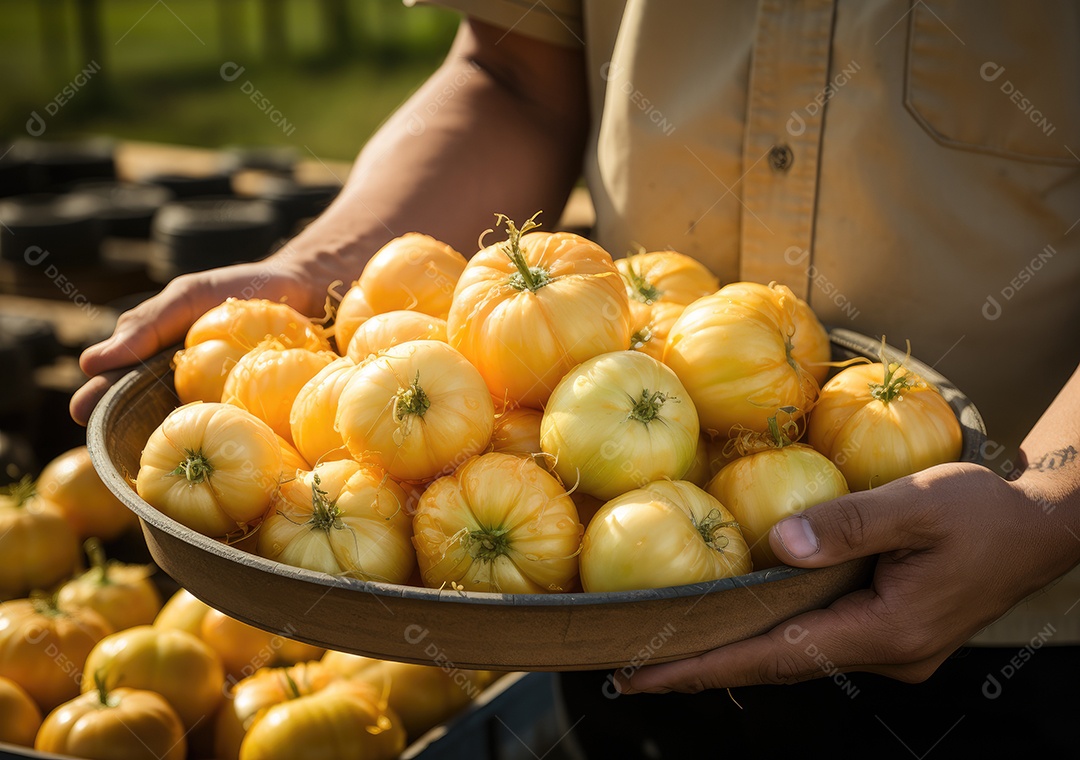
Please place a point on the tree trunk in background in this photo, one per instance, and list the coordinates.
(230, 29)
(335, 17)
(275, 45)
(88, 21)
(54, 47)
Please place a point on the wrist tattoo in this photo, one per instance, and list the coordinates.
(1055, 460)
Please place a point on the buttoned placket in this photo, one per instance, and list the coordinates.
(785, 112)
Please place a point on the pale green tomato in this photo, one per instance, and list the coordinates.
(668, 533)
(617, 422)
(763, 488)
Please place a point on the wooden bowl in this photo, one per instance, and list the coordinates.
(575, 631)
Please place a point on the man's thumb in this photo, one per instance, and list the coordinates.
(857, 525)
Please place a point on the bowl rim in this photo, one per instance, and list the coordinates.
(159, 368)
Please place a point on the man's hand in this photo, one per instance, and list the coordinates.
(958, 545)
(163, 320)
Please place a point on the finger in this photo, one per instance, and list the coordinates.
(87, 397)
(857, 525)
(148, 328)
(852, 634)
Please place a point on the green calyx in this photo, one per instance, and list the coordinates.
(488, 545)
(647, 408)
(893, 385)
(640, 288)
(195, 467)
(325, 513)
(22, 492)
(411, 400)
(526, 277)
(710, 528)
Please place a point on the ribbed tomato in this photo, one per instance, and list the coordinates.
(43, 648)
(517, 431)
(72, 485)
(222, 335)
(174, 664)
(314, 410)
(266, 380)
(385, 330)
(660, 284)
(122, 594)
(414, 272)
(244, 649)
(211, 467)
(878, 424)
(114, 724)
(668, 533)
(352, 312)
(183, 612)
(766, 486)
(346, 719)
(342, 518)
(733, 352)
(618, 421)
(417, 410)
(528, 310)
(499, 523)
(19, 716)
(38, 547)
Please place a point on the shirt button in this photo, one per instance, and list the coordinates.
(781, 158)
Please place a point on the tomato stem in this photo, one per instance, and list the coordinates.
(712, 524)
(195, 467)
(640, 288)
(325, 513)
(526, 277)
(101, 686)
(488, 545)
(98, 565)
(647, 408)
(22, 492)
(411, 400)
(641, 337)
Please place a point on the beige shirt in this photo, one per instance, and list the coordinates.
(911, 169)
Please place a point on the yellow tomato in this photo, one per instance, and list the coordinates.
(422, 696)
(71, 483)
(346, 719)
(668, 533)
(257, 693)
(222, 335)
(732, 351)
(417, 410)
(38, 548)
(267, 380)
(244, 649)
(116, 724)
(526, 311)
(660, 284)
(342, 518)
(43, 648)
(352, 312)
(122, 594)
(766, 486)
(414, 272)
(879, 424)
(385, 330)
(499, 523)
(211, 467)
(517, 431)
(19, 716)
(314, 410)
(291, 459)
(618, 421)
(183, 612)
(174, 664)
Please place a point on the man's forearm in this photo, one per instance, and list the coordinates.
(500, 127)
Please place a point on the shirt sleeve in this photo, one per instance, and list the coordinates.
(554, 21)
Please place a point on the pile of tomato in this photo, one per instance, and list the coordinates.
(538, 418)
(94, 665)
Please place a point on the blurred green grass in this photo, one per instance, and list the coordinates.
(334, 81)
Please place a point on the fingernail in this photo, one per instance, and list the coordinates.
(797, 536)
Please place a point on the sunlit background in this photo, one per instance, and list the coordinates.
(329, 70)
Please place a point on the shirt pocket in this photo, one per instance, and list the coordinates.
(997, 76)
